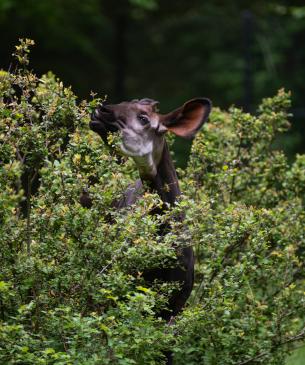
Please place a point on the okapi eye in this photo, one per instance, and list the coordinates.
(143, 119)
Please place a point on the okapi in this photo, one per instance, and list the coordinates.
(142, 131)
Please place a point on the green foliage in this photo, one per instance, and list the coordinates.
(247, 221)
(71, 285)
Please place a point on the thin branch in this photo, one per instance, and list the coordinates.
(234, 176)
(20, 158)
(298, 337)
(115, 257)
(28, 215)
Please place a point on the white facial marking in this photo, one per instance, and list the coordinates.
(143, 144)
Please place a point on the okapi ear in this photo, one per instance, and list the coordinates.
(188, 119)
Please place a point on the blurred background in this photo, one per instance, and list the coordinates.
(234, 52)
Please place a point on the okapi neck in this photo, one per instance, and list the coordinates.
(165, 183)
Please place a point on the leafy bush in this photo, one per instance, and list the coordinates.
(71, 286)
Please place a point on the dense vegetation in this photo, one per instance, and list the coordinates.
(71, 289)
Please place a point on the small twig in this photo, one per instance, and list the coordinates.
(234, 176)
(64, 342)
(28, 216)
(115, 257)
(286, 284)
(34, 177)
(9, 67)
(20, 158)
(298, 337)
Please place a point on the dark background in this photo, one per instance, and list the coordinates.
(234, 52)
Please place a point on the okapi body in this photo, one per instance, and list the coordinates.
(142, 131)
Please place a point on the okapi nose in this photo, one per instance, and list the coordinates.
(105, 113)
(105, 109)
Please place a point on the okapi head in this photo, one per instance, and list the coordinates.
(142, 128)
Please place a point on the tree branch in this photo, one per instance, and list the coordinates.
(298, 337)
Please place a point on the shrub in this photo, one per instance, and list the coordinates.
(71, 286)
